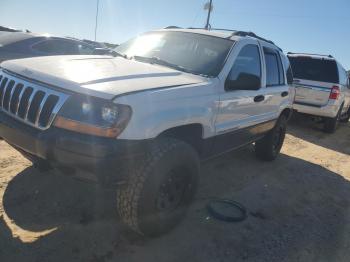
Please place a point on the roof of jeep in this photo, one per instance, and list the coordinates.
(221, 33)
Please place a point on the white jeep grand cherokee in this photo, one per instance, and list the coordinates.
(146, 117)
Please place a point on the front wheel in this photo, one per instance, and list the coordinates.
(269, 146)
(160, 188)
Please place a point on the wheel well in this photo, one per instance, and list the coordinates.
(191, 134)
(287, 112)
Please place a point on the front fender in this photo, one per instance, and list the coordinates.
(159, 110)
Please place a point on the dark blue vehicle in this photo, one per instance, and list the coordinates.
(15, 45)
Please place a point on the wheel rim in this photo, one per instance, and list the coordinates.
(172, 191)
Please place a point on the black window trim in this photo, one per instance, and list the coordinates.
(281, 73)
(260, 60)
(271, 51)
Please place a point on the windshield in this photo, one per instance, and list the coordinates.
(322, 70)
(196, 53)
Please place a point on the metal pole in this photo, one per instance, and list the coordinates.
(98, 3)
(209, 12)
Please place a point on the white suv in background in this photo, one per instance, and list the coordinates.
(322, 88)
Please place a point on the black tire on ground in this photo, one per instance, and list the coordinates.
(160, 188)
(270, 145)
(346, 118)
(331, 124)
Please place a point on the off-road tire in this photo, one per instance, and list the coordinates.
(346, 118)
(268, 148)
(136, 199)
(331, 124)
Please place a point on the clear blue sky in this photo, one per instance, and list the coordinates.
(317, 26)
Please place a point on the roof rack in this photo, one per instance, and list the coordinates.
(172, 27)
(290, 53)
(238, 33)
(215, 29)
(251, 34)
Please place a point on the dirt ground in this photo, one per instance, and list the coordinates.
(299, 209)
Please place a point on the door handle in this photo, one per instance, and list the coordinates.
(259, 98)
(285, 93)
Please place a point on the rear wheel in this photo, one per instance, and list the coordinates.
(269, 146)
(331, 124)
(346, 118)
(160, 188)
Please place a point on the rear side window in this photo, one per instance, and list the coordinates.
(289, 75)
(343, 76)
(274, 69)
(287, 69)
(322, 70)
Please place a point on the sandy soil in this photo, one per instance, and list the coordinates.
(299, 209)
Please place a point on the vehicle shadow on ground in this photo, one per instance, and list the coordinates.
(302, 126)
(298, 211)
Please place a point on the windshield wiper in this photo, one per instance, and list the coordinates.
(159, 61)
(115, 53)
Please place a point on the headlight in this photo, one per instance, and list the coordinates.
(93, 116)
(110, 114)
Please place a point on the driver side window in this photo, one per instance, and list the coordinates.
(246, 70)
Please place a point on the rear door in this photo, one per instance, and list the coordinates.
(277, 89)
(313, 79)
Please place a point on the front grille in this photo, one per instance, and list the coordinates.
(29, 102)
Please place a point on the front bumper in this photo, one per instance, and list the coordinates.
(329, 110)
(101, 156)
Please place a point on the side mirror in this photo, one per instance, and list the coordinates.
(244, 81)
(102, 51)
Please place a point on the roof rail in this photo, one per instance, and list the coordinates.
(251, 34)
(237, 33)
(290, 53)
(172, 27)
(213, 29)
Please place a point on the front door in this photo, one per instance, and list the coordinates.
(245, 105)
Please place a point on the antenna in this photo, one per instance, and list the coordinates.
(208, 6)
(97, 5)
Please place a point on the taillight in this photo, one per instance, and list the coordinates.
(335, 92)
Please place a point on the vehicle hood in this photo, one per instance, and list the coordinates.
(100, 76)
